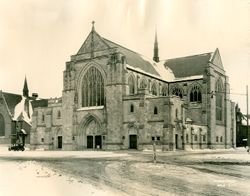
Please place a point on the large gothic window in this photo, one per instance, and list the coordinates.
(177, 91)
(2, 126)
(195, 94)
(131, 85)
(154, 90)
(92, 88)
(219, 99)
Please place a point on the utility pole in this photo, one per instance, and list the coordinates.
(248, 132)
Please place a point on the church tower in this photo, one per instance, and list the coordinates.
(25, 88)
(156, 49)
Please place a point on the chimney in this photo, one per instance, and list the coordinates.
(34, 95)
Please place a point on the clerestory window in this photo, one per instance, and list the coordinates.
(131, 84)
(195, 94)
(177, 91)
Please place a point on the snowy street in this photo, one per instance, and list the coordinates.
(207, 172)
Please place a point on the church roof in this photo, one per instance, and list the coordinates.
(39, 103)
(95, 42)
(135, 59)
(168, 70)
(189, 65)
(11, 100)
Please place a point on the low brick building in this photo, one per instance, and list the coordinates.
(114, 98)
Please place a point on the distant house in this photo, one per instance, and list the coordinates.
(241, 127)
(16, 116)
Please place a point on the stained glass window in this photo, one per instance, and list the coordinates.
(131, 85)
(195, 94)
(177, 91)
(92, 88)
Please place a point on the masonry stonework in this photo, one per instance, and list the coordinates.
(114, 98)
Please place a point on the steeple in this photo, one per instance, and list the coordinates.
(156, 50)
(92, 39)
(25, 88)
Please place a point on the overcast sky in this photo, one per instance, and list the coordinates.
(37, 37)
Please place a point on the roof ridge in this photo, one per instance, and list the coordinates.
(188, 56)
(11, 93)
(122, 46)
(102, 38)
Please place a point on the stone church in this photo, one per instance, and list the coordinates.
(114, 98)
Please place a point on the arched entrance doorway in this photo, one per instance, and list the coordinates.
(90, 135)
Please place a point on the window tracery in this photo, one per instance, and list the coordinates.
(195, 94)
(143, 84)
(154, 90)
(177, 91)
(164, 91)
(92, 88)
(131, 84)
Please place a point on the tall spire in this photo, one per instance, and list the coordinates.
(25, 88)
(156, 49)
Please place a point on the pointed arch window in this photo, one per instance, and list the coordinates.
(2, 126)
(131, 84)
(195, 94)
(154, 90)
(143, 84)
(219, 99)
(155, 110)
(177, 91)
(92, 88)
(164, 91)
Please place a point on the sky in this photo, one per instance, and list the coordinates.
(37, 37)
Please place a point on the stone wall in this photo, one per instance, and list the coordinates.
(9, 125)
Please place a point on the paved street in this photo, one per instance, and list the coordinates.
(207, 172)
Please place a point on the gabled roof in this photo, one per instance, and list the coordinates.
(216, 59)
(190, 65)
(95, 42)
(12, 100)
(134, 59)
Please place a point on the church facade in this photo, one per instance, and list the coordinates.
(114, 98)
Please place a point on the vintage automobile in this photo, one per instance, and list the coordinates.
(17, 147)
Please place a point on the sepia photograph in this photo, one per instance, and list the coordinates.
(124, 97)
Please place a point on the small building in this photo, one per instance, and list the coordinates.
(15, 117)
(241, 128)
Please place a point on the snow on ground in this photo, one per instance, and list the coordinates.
(197, 172)
(222, 155)
(57, 154)
(29, 178)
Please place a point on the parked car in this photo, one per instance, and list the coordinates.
(16, 147)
